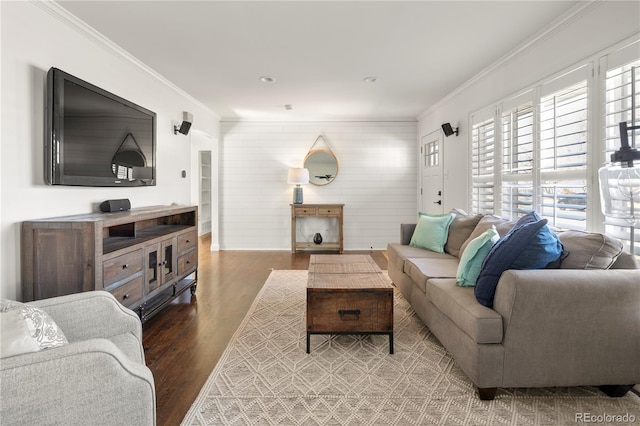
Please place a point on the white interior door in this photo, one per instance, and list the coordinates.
(431, 172)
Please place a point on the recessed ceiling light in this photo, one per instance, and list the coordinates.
(267, 79)
(370, 79)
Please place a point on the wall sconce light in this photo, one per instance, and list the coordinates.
(187, 120)
(448, 130)
(297, 177)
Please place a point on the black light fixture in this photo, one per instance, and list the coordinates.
(448, 130)
(187, 120)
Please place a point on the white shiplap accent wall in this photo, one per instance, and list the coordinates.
(376, 181)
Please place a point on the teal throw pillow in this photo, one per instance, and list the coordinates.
(472, 258)
(432, 231)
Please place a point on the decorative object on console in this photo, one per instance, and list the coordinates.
(187, 120)
(297, 177)
(449, 130)
(322, 163)
(317, 238)
(620, 185)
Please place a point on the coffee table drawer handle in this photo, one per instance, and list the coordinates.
(351, 314)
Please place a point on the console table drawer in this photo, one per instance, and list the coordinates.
(121, 267)
(329, 211)
(129, 294)
(187, 262)
(187, 241)
(305, 211)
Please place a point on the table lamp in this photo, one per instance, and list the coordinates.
(298, 176)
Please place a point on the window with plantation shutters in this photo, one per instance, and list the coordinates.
(621, 103)
(562, 149)
(518, 138)
(483, 161)
(538, 158)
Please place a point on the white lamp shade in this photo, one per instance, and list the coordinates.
(298, 176)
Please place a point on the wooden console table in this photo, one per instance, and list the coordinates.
(145, 257)
(302, 211)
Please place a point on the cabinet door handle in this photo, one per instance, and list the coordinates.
(125, 297)
(125, 266)
(188, 241)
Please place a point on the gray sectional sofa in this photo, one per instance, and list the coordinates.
(575, 324)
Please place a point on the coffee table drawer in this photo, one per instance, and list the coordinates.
(360, 311)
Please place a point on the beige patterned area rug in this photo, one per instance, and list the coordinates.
(265, 377)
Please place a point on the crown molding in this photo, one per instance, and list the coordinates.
(572, 15)
(85, 30)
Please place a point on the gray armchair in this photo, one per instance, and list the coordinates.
(99, 378)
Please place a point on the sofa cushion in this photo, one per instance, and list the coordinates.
(398, 253)
(459, 231)
(502, 226)
(506, 251)
(431, 231)
(25, 328)
(420, 270)
(459, 304)
(589, 250)
(473, 257)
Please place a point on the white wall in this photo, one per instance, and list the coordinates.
(590, 30)
(376, 180)
(34, 38)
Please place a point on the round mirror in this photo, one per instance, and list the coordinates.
(322, 166)
(124, 161)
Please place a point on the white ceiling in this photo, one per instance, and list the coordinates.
(318, 51)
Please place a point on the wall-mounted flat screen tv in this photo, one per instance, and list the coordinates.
(95, 138)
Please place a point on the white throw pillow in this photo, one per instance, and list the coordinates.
(25, 328)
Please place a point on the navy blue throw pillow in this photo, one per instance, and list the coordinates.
(515, 251)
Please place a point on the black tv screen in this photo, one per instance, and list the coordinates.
(95, 138)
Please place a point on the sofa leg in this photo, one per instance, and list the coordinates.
(487, 394)
(615, 391)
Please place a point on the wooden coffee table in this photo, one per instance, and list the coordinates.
(348, 294)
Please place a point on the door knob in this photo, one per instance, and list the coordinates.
(438, 202)
(439, 193)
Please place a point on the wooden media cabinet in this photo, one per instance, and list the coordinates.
(145, 257)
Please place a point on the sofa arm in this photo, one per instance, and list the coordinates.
(88, 315)
(580, 325)
(406, 232)
(89, 382)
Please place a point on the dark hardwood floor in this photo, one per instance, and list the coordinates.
(185, 340)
